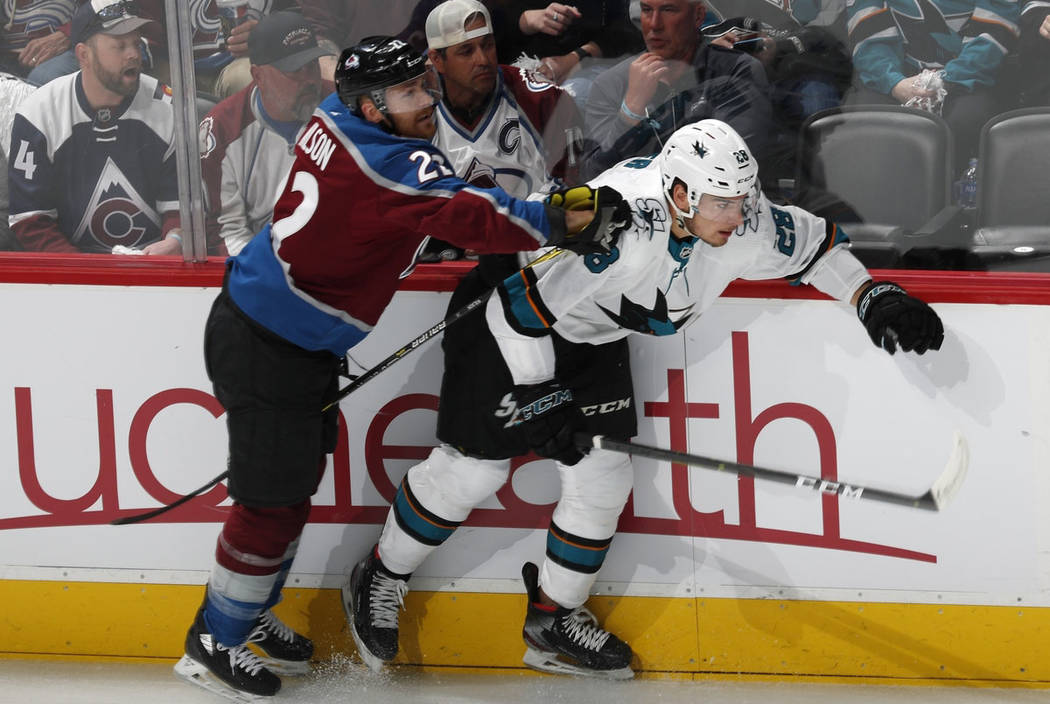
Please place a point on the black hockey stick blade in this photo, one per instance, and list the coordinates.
(942, 491)
(139, 517)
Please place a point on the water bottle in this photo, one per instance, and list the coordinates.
(966, 187)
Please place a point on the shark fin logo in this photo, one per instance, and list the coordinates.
(921, 32)
(654, 321)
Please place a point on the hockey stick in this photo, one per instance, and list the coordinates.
(174, 504)
(353, 386)
(938, 496)
(437, 329)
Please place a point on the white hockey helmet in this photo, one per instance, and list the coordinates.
(707, 157)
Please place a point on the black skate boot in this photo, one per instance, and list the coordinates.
(570, 641)
(285, 652)
(371, 599)
(235, 673)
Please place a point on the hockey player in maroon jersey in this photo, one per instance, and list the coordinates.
(364, 192)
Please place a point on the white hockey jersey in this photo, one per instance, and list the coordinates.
(653, 283)
(517, 142)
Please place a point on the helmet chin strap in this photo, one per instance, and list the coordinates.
(680, 215)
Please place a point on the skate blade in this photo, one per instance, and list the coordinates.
(290, 668)
(374, 663)
(549, 662)
(196, 673)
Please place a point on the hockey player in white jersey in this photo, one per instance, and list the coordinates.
(699, 221)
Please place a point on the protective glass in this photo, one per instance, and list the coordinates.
(414, 94)
(117, 11)
(724, 209)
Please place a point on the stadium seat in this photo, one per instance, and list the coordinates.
(893, 166)
(1013, 198)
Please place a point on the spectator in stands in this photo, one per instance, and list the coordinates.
(1034, 71)
(634, 106)
(498, 127)
(808, 65)
(13, 91)
(414, 33)
(942, 55)
(221, 61)
(575, 41)
(34, 41)
(92, 165)
(247, 140)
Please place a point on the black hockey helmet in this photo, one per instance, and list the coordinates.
(373, 65)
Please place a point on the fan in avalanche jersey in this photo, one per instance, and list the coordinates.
(92, 162)
(498, 125)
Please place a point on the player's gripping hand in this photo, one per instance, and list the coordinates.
(590, 221)
(893, 318)
(549, 416)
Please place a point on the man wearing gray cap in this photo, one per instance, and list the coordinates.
(247, 140)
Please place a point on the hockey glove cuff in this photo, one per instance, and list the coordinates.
(893, 318)
(611, 215)
(549, 417)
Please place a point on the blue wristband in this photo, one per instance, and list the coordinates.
(627, 111)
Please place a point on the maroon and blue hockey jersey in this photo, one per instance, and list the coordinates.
(357, 209)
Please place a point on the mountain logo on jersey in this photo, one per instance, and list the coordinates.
(654, 321)
(116, 213)
(480, 174)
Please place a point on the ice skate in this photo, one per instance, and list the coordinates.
(570, 641)
(284, 651)
(235, 673)
(371, 600)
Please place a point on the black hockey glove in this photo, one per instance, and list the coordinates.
(611, 215)
(549, 416)
(893, 318)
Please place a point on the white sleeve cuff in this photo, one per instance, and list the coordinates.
(530, 359)
(837, 273)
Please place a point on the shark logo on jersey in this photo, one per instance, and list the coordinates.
(649, 215)
(654, 321)
(116, 213)
(699, 149)
(926, 34)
